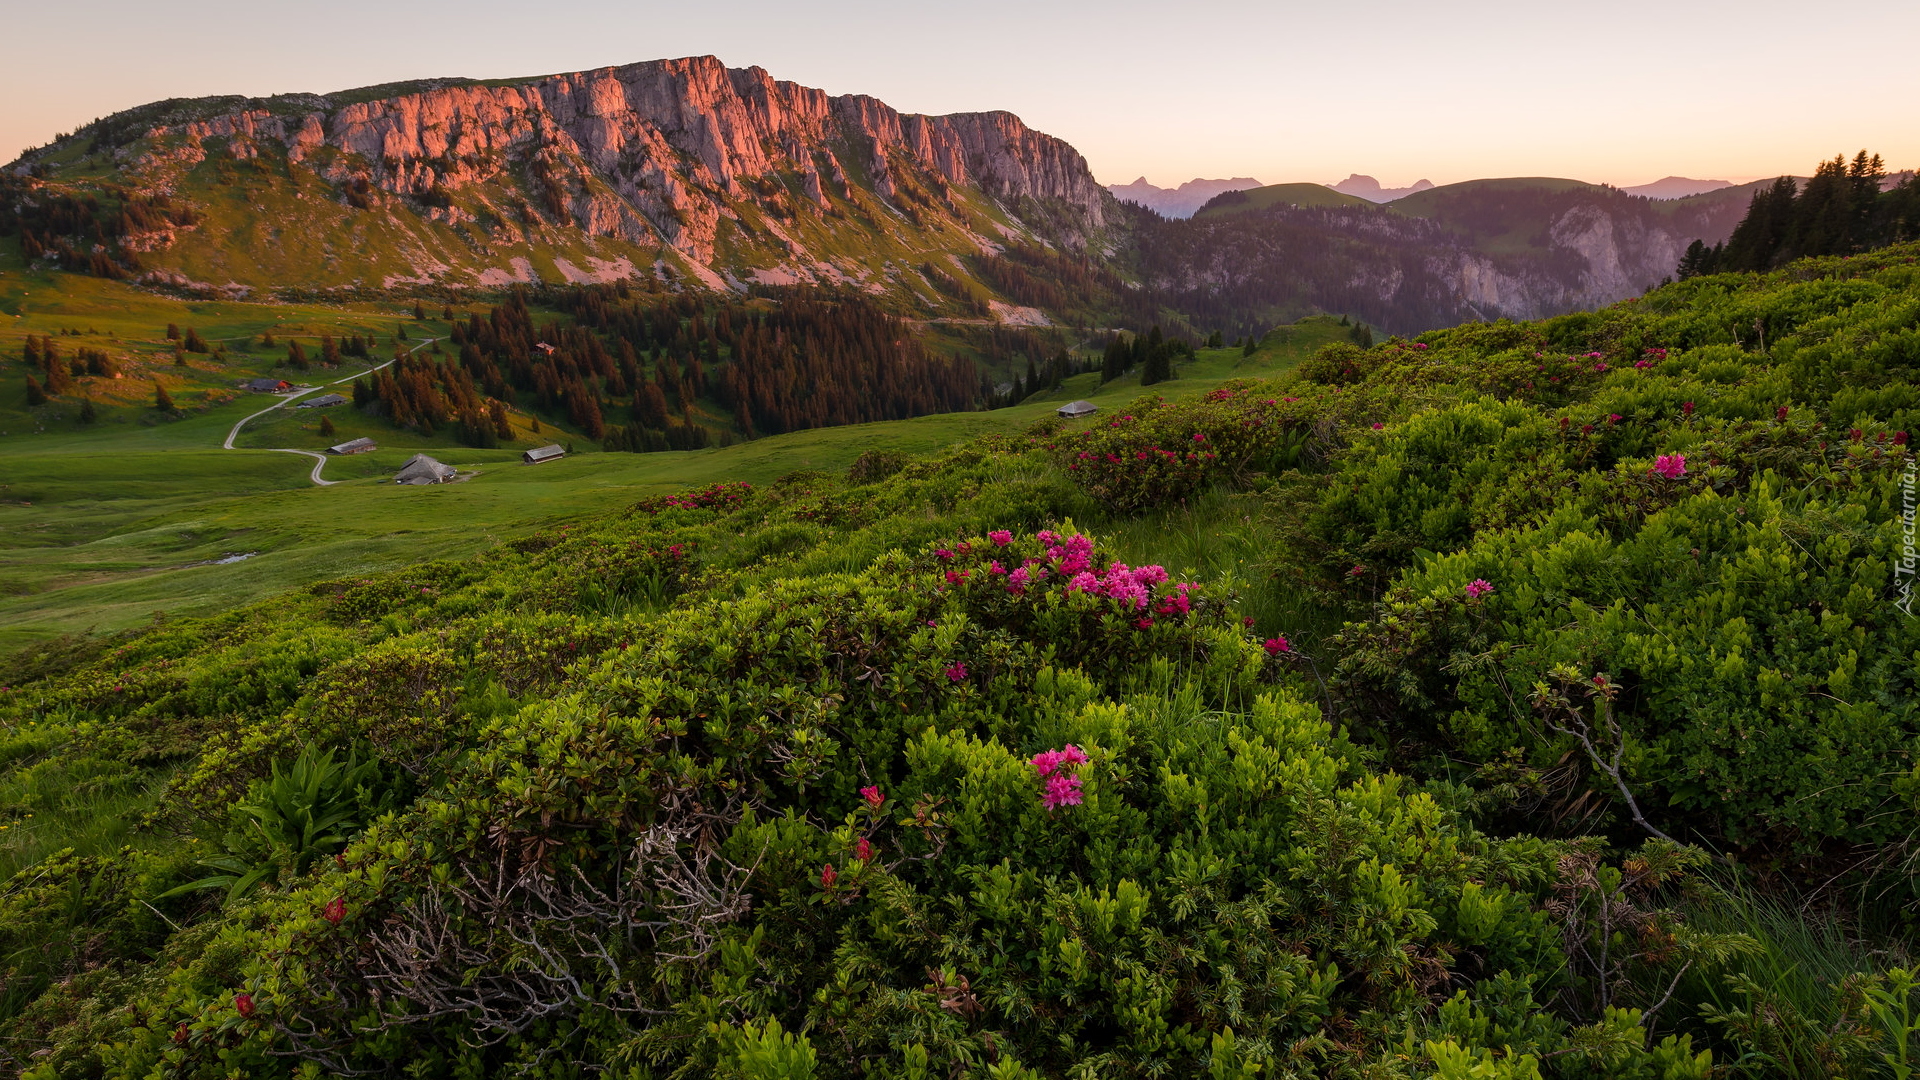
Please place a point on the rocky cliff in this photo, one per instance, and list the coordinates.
(724, 173)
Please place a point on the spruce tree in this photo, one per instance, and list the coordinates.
(419, 312)
(36, 395)
(161, 399)
(87, 413)
(1115, 361)
(173, 332)
(1253, 342)
(326, 427)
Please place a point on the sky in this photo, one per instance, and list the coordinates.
(1620, 93)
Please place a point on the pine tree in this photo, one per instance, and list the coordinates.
(32, 351)
(59, 372)
(179, 355)
(1693, 262)
(1253, 343)
(87, 413)
(327, 430)
(36, 395)
(1114, 363)
(419, 312)
(173, 332)
(194, 342)
(161, 399)
(266, 339)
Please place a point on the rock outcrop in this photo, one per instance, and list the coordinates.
(669, 152)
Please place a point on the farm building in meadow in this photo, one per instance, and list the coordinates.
(1075, 409)
(352, 446)
(266, 385)
(543, 453)
(324, 401)
(421, 469)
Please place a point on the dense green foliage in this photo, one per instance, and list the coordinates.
(906, 773)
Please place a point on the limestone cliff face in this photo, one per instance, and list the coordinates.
(661, 152)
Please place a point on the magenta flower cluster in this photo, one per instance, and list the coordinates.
(1478, 588)
(1059, 775)
(1132, 586)
(1671, 466)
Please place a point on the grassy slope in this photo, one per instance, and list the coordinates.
(1262, 198)
(124, 518)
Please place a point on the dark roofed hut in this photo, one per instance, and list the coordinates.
(324, 401)
(1075, 409)
(353, 446)
(544, 453)
(421, 469)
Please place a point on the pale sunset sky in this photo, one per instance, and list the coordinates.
(1622, 93)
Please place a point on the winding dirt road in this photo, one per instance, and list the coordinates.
(319, 459)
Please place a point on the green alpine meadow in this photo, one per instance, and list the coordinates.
(660, 572)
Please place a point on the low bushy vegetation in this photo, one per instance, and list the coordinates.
(1525, 700)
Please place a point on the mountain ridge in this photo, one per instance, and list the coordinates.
(722, 171)
(1179, 202)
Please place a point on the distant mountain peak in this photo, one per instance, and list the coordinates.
(1180, 202)
(1366, 187)
(1676, 187)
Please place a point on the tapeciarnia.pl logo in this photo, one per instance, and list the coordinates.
(1904, 567)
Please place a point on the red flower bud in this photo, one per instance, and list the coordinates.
(336, 910)
(243, 1004)
(828, 875)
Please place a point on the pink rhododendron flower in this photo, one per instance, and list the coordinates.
(871, 793)
(1377, 426)
(1277, 645)
(1780, 413)
(1002, 537)
(863, 849)
(243, 1003)
(1073, 755)
(956, 671)
(943, 553)
(828, 875)
(1478, 588)
(1671, 466)
(336, 910)
(1063, 789)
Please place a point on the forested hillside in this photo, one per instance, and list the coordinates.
(1846, 207)
(1521, 700)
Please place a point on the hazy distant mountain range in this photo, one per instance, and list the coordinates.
(1182, 201)
(1676, 187)
(726, 178)
(1369, 189)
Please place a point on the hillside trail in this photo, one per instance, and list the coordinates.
(319, 459)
